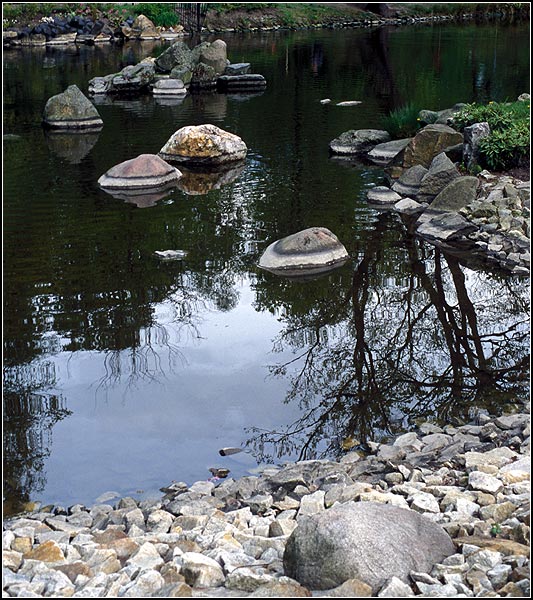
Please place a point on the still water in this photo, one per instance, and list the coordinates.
(124, 372)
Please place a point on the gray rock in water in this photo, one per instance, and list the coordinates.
(408, 184)
(382, 154)
(71, 110)
(382, 195)
(203, 145)
(408, 206)
(472, 136)
(145, 171)
(441, 172)
(169, 87)
(237, 69)
(364, 540)
(239, 82)
(214, 55)
(457, 194)
(313, 250)
(443, 226)
(179, 55)
(356, 141)
(204, 77)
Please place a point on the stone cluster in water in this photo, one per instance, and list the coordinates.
(228, 537)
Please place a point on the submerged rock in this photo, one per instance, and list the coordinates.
(203, 145)
(239, 82)
(313, 250)
(71, 145)
(200, 181)
(145, 171)
(333, 546)
(71, 110)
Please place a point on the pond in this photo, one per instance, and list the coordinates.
(124, 372)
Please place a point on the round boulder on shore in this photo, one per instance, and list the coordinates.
(145, 171)
(203, 145)
(311, 251)
(330, 547)
(71, 110)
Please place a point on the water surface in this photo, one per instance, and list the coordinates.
(123, 372)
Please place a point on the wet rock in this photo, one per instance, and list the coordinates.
(144, 171)
(313, 250)
(203, 145)
(328, 548)
(358, 141)
(71, 110)
(438, 226)
(204, 77)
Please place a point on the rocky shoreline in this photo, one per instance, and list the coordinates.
(228, 538)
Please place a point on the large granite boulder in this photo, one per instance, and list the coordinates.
(457, 194)
(441, 172)
(71, 110)
(427, 143)
(311, 251)
(368, 541)
(179, 55)
(356, 141)
(145, 171)
(473, 134)
(215, 55)
(203, 145)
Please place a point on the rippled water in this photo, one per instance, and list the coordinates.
(123, 372)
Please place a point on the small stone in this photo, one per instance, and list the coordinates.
(423, 502)
(46, 552)
(311, 504)
(395, 588)
(485, 483)
(201, 571)
(11, 559)
(499, 575)
(147, 557)
(383, 196)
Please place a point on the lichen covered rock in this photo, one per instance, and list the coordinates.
(71, 110)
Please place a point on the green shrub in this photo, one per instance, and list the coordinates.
(509, 140)
(507, 148)
(160, 13)
(402, 122)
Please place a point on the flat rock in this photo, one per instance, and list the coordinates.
(312, 250)
(369, 541)
(237, 69)
(356, 141)
(382, 154)
(169, 87)
(408, 206)
(383, 196)
(238, 82)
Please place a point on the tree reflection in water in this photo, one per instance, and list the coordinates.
(428, 344)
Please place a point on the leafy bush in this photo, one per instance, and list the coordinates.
(402, 122)
(505, 149)
(160, 13)
(509, 141)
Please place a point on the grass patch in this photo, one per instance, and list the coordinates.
(402, 122)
